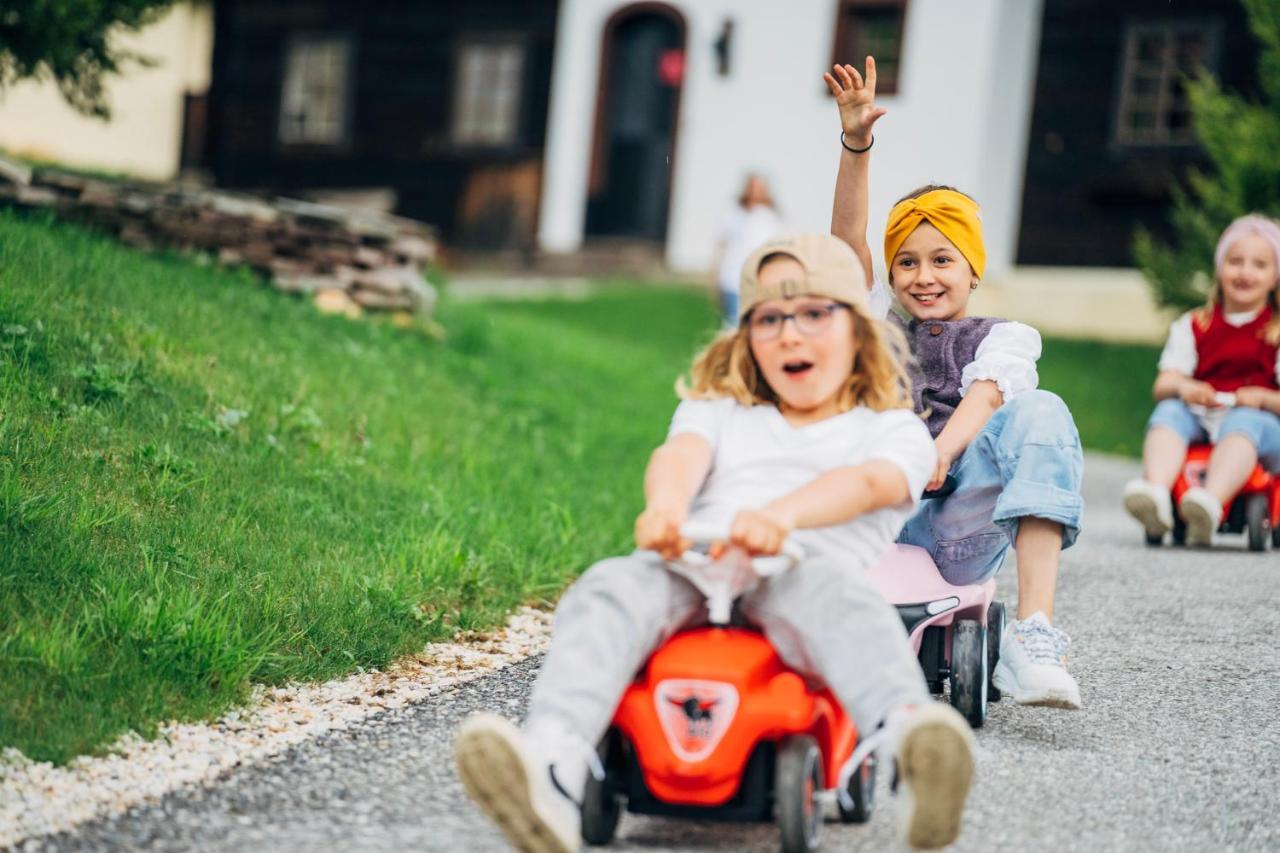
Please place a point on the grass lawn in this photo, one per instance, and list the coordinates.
(205, 484)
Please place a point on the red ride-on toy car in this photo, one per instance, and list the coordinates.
(716, 726)
(1254, 510)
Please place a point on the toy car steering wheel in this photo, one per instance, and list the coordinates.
(733, 573)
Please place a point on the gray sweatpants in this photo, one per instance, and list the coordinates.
(822, 617)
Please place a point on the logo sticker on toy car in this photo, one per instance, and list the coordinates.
(695, 714)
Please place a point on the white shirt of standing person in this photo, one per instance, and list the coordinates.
(1180, 354)
(744, 231)
(757, 457)
(1007, 356)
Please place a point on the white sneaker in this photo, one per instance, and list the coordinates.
(1151, 505)
(935, 769)
(503, 772)
(1033, 665)
(1203, 514)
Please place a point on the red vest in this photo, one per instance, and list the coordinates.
(1230, 357)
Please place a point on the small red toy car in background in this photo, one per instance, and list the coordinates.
(1255, 510)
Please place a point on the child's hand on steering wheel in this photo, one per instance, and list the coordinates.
(658, 529)
(758, 532)
(856, 98)
(1197, 393)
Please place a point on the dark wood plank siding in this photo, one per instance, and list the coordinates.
(1084, 194)
(402, 96)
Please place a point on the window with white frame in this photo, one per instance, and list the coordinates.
(487, 93)
(1158, 57)
(314, 101)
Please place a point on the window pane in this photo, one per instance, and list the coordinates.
(1153, 101)
(875, 30)
(487, 95)
(313, 103)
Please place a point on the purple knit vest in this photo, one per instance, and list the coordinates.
(942, 350)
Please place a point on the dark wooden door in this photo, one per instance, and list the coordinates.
(631, 175)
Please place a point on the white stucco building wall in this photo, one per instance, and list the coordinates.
(144, 136)
(961, 116)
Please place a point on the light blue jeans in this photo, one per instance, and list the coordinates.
(1025, 462)
(1262, 429)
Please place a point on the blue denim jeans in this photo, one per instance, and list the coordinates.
(1261, 428)
(1025, 462)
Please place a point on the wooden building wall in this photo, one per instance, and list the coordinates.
(405, 57)
(1084, 194)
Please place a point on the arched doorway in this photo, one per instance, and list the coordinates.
(642, 68)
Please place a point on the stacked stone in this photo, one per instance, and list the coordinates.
(347, 260)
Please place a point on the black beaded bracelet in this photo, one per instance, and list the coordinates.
(852, 150)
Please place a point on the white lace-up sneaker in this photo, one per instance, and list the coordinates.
(1203, 513)
(1033, 665)
(935, 769)
(509, 776)
(1151, 505)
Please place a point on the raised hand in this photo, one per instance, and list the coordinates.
(856, 96)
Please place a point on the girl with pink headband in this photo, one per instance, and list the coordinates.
(1219, 381)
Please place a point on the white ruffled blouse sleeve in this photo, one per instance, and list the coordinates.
(879, 300)
(1007, 356)
(1179, 351)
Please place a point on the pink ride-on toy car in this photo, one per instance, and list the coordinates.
(955, 629)
(1255, 509)
(716, 726)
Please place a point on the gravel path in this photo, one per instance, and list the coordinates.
(1178, 748)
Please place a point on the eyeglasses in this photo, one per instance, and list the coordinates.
(811, 320)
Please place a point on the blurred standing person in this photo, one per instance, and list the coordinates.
(753, 221)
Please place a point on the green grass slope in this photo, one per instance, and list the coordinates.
(205, 484)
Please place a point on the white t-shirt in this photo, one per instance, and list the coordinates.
(1006, 356)
(1179, 351)
(744, 231)
(759, 457)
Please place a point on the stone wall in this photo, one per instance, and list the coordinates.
(347, 260)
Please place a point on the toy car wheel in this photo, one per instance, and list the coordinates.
(995, 630)
(862, 792)
(1257, 522)
(601, 804)
(1155, 540)
(969, 671)
(1179, 532)
(796, 787)
(1275, 537)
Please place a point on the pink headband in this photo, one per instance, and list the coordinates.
(1254, 223)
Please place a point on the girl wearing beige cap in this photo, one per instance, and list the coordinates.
(795, 425)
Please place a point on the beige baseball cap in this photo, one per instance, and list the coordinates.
(831, 267)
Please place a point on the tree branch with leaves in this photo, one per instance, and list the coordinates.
(71, 42)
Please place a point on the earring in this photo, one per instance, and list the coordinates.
(974, 285)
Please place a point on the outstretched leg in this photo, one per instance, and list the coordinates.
(530, 782)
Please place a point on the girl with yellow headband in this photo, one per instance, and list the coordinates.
(1012, 449)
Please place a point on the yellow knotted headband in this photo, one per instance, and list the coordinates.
(953, 213)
